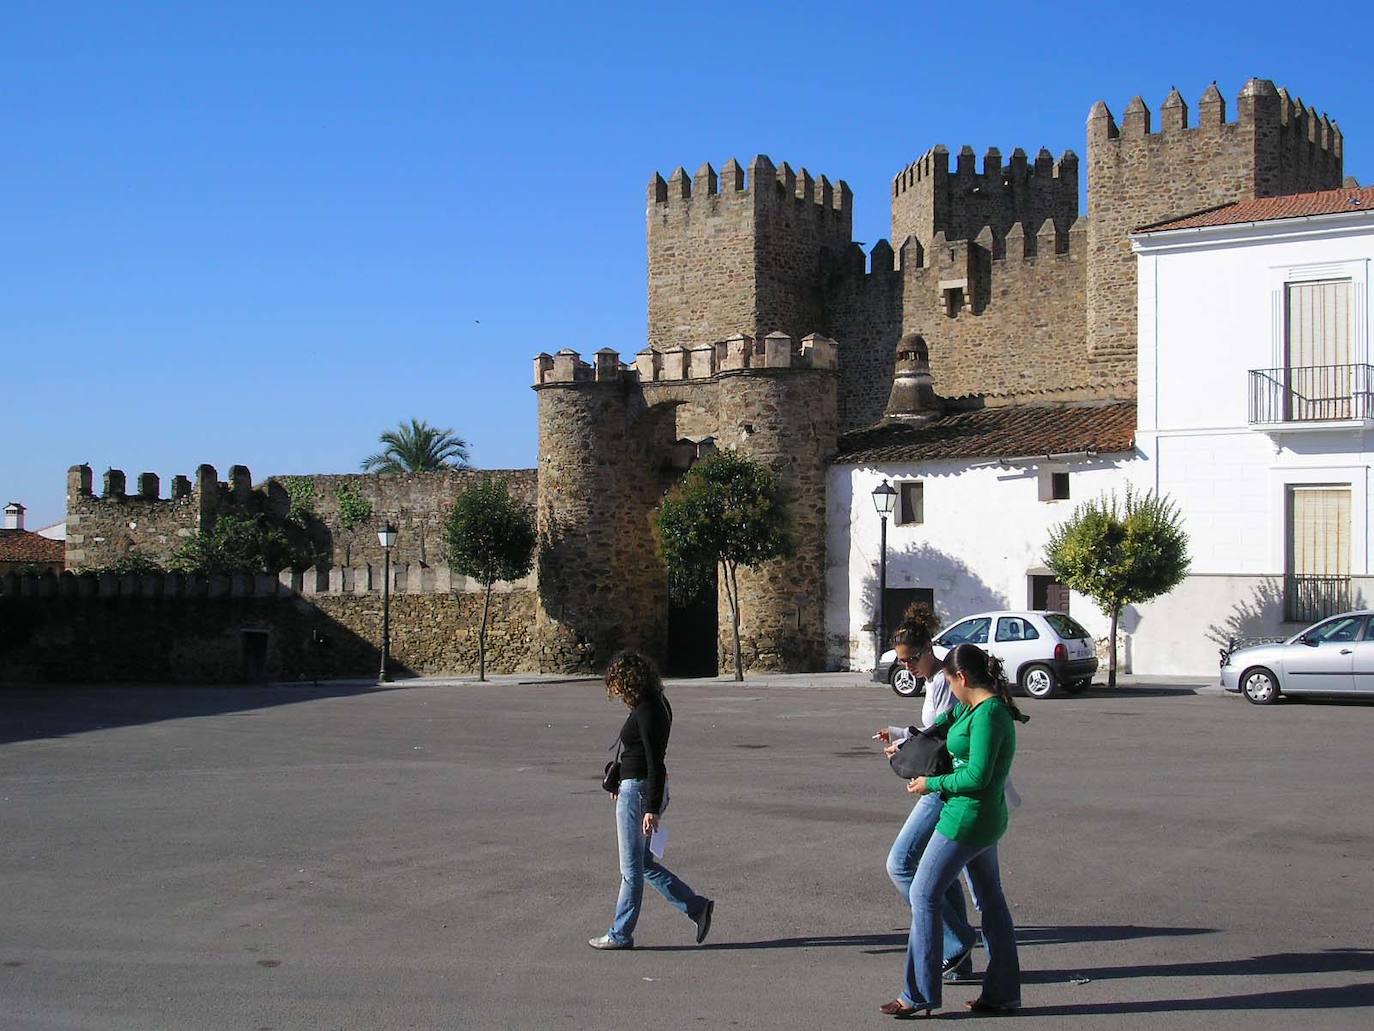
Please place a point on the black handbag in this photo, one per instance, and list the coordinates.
(610, 780)
(923, 754)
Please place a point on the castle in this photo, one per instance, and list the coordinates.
(772, 333)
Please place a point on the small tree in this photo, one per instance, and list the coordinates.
(490, 537)
(727, 512)
(1120, 554)
(241, 544)
(417, 448)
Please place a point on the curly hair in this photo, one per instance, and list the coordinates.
(917, 627)
(632, 676)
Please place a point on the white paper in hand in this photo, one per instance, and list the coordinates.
(659, 841)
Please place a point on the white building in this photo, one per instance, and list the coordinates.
(1256, 398)
(1254, 413)
(978, 492)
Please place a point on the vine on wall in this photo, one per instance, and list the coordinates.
(354, 509)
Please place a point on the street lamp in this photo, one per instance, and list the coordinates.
(386, 537)
(884, 499)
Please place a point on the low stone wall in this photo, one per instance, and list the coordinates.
(173, 629)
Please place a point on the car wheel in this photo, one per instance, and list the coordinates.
(1039, 681)
(1259, 686)
(1077, 686)
(904, 682)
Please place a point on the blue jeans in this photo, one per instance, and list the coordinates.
(939, 868)
(637, 863)
(903, 860)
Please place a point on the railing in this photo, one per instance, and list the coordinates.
(1312, 393)
(1310, 598)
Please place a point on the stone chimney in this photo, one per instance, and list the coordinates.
(913, 397)
(14, 516)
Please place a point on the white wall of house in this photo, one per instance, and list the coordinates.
(1212, 308)
(982, 537)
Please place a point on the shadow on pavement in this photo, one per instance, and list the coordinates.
(1328, 961)
(1025, 936)
(1352, 996)
(30, 713)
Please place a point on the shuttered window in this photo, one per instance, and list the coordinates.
(1320, 527)
(1319, 323)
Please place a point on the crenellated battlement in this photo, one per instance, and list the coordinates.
(779, 183)
(1261, 105)
(929, 197)
(114, 484)
(736, 354)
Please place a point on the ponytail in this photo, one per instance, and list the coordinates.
(985, 671)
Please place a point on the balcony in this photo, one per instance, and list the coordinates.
(1312, 396)
(1310, 598)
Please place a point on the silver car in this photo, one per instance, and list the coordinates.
(1333, 657)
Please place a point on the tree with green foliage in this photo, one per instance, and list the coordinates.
(728, 512)
(1120, 554)
(241, 544)
(490, 537)
(418, 448)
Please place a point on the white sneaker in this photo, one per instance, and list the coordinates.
(608, 944)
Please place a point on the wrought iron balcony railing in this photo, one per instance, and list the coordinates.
(1312, 393)
(1310, 598)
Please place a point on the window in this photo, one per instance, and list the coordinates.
(972, 631)
(911, 502)
(954, 301)
(1047, 593)
(1054, 486)
(1320, 378)
(1014, 628)
(1346, 628)
(1318, 575)
(1067, 628)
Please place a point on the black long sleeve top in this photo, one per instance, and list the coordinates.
(644, 746)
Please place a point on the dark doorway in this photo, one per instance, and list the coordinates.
(692, 635)
(254, 656)
(896, 602)
(1048, 595)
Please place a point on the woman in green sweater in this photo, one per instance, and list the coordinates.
(982, 742)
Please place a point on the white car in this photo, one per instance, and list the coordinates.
(1043, 652)
(1333, 657)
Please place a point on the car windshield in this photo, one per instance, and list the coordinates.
(1065, 627)
(974, 631)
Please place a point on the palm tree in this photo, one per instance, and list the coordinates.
(417, 448)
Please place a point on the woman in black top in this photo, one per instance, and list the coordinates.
(642, 799)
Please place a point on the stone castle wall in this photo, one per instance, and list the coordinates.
(730, 254)
(168, 628)
(615, 438)
(114, 524)
(1137, 176)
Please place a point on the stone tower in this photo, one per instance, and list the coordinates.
(610, 440)
(1137, 175)
(730, 254)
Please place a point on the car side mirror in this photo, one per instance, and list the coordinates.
(1311, 642)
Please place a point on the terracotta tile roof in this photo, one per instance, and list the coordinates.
(1267, 209)
(24, 546)
(1007, 432)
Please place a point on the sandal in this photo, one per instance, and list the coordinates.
(897, 1008)
(992, 1009)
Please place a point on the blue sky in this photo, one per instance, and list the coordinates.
(262, 233)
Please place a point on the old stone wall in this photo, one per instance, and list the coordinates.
(613, 440)
(1137, 176)
(927, 198)
(730, 254)
(92, 628)
(116, 523)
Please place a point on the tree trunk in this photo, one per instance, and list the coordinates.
(482, 637)
(1111, 645)
(732, 590)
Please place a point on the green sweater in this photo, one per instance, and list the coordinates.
(982, 742)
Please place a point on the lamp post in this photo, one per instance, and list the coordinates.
(884, 498)
(386, 537)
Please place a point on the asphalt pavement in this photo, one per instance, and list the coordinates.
(435, 856)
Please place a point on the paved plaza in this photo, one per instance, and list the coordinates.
(436, 855)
